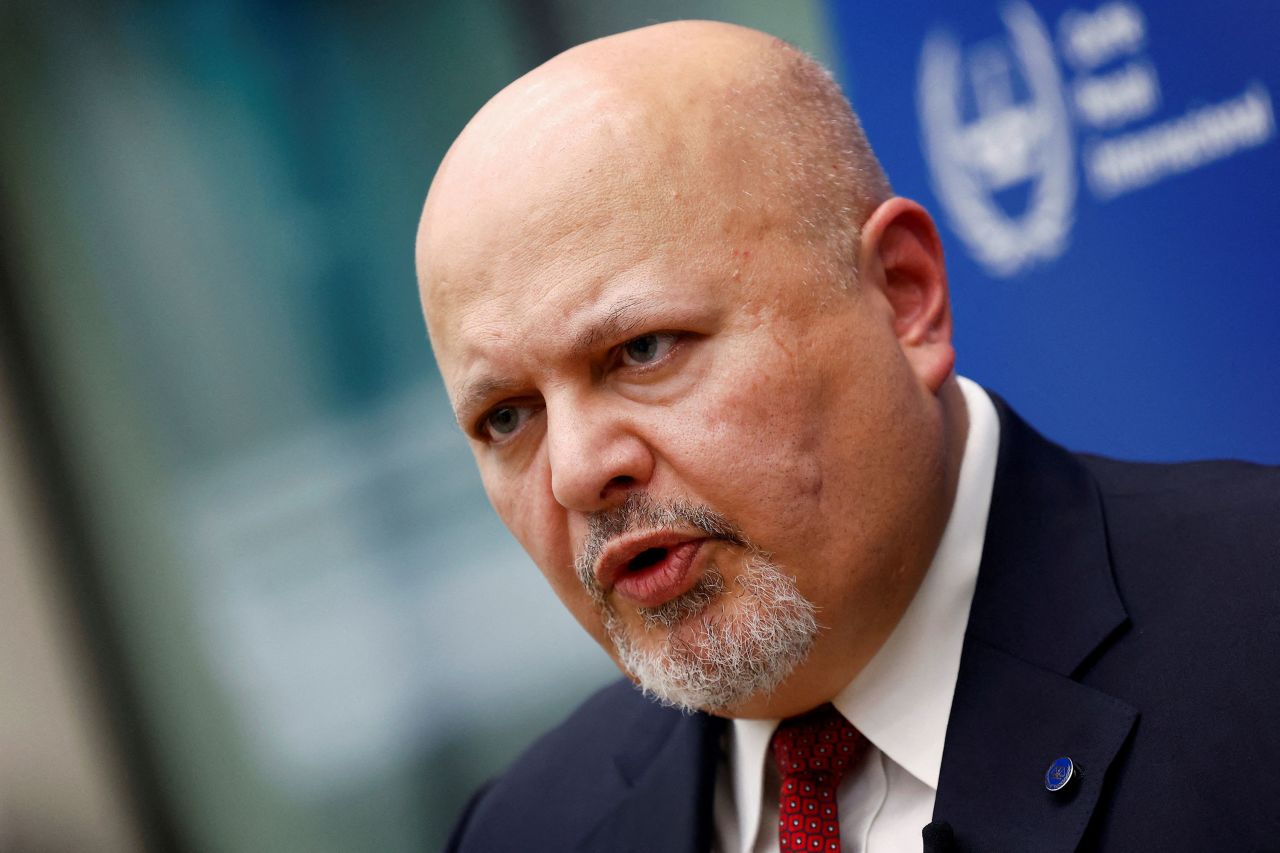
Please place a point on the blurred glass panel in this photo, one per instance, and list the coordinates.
(212, 208)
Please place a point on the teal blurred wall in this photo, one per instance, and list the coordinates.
(325, 639)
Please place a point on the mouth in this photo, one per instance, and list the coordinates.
(650, 569)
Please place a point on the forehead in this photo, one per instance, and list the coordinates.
(547, 275)
(500, 229)
(529, 245)
(548, 294)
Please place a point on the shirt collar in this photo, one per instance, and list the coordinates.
(901, 700)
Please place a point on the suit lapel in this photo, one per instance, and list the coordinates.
(663, 795)
(1009, 721)
(1044, 606)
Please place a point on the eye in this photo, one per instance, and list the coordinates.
(503, 422)
(647, 349)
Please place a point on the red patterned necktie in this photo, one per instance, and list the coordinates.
(813, 752)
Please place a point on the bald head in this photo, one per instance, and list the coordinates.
(631, 264)
(685, 119)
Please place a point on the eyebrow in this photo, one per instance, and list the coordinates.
(620, 319)
(473, 394)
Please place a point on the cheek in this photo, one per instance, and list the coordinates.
(753, 447)
(799, 452)
(526, 508)
(540, 525)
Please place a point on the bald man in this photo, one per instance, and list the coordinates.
(703, 355)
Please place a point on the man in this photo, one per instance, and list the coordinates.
(704, 358)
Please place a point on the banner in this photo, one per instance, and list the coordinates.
(1106, 179)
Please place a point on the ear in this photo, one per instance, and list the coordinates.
(900, 255)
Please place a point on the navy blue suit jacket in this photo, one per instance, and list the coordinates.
(1126, 615)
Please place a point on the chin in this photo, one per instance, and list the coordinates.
(719, 653)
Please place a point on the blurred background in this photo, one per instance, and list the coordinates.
(252, 596)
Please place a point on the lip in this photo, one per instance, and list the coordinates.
(657, 582)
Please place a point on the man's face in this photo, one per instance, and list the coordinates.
(678, 349)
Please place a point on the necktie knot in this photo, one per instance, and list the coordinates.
(813, 752)
(819, 742)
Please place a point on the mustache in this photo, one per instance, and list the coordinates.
(641, 512)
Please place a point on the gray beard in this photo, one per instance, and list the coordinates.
(710, 649)
(717, 661)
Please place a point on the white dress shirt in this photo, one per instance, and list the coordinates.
(900, 701)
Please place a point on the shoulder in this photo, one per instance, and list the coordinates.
(1213, 485)
(557, 786)
(1195, 553)
(1226, 511)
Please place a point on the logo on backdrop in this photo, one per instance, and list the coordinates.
(1011, 144)
(999, 124)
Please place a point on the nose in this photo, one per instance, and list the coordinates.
(596, 456)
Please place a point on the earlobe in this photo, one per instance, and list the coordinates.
(901, 255)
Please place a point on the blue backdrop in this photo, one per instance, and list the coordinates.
(1105, 180)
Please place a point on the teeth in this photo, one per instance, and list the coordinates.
(647, 558)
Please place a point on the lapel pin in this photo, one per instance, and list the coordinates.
(1060, 774)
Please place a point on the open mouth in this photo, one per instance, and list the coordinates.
(646, 558)
(658, 573)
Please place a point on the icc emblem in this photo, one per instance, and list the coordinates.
(998, 140)
(1059, 774)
